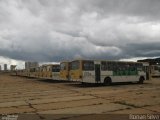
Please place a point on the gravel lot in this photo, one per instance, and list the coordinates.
(70, 100)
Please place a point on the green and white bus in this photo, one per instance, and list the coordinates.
(107, 72)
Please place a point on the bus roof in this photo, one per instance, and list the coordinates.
(65, 61)
(105, 60)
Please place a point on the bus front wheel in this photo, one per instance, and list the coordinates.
(141, 80)
(107, 81)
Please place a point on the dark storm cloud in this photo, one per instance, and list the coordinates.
(143, 49)
(54, 30)
(145, 8)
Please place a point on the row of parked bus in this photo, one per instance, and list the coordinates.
(91, 71)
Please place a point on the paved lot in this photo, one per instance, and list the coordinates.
(73, 100)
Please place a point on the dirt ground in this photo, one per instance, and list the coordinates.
(70, 100)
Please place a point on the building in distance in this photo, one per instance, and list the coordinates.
(5, 67)
(31, 65)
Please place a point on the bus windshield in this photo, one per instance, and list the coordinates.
(75, 65)
(55, 69)
(88, 65)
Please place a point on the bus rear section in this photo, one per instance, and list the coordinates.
(91, 71)
(64, 70)
(155, 70)
(82, 70)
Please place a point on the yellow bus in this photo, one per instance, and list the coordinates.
(43, 73)
(50, 71)
(53, 71)
(64, 70)
(107, 72)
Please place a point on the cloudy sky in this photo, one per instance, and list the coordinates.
(57, 30)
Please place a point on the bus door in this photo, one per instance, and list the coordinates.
(97, 72)
(147, 72)
(146, 69)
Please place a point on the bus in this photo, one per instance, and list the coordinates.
(40, 75)
(107, 72)
(32, 72)
(37, 72)
(43, 72)
(50, 71)
(56, 72)
(64, 70)
(25, 72)
(53, 71)
(155, 70)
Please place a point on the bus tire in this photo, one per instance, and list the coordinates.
(141, 80)
(107, 81)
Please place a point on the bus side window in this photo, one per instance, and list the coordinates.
(115, 66)
(110, 66)
(88, 65)
(63, 66)
(104, 66)
(75, 65)
(139, 66)
(56, 69)
(132, 67)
